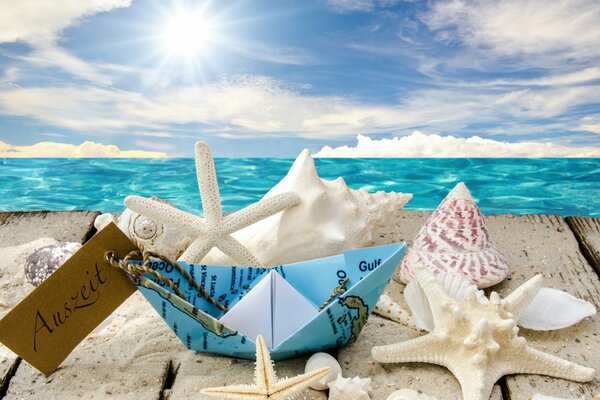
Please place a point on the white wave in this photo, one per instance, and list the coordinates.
(419, 144)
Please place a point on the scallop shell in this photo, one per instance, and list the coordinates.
(329, 219)
(554, 309)
(408, 394)
(550, 309)
(414, 296)
(318, 361)
(349, 388)
(45, 260)
(388, 308)
(455, 240)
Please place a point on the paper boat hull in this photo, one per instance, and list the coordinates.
(196, 322)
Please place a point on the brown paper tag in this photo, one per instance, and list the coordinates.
(57, 315)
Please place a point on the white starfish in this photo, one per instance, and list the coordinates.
(477, 342)
(266, 385)
(212, 230)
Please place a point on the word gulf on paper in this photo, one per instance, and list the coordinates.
(87, 295)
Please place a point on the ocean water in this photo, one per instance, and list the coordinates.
(520, 186)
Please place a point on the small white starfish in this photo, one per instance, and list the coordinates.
(478, 342)
(266, 385)
(212, 230)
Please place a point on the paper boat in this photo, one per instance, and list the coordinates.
(196, 321)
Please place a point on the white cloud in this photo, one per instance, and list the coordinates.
(260, 106)
(39, 24)
(64, 150)
(9, 77)
(344, 6)
(590, 124)
(550, 29)
(418, 144)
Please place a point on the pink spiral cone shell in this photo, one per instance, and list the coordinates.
(455, 239)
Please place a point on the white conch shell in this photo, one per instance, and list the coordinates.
(329, 219)
(349, 388)
(554, 309)
(321, 360)
(455, 239)
(455, 286)
(408, 394)
(154, 236)
(388, 308)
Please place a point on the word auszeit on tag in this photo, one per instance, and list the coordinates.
(56, 316)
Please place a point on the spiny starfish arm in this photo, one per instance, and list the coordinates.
(476, 382)
(264, 375)
(257, 211)
(422, 349)
(235, 392)
(196, 251)
(532, 361)
(165, 214)
(517, 301)
(288, 388)
(207, 183)
(238, 252)
(438, 299)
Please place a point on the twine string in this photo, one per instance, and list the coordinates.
(141, 269)
(137, 270)
(341, 289)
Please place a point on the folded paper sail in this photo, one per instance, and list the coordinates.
(272, 309)
(202, 327)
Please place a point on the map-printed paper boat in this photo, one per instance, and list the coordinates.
(196, 321)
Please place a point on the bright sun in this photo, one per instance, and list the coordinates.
(187, 34)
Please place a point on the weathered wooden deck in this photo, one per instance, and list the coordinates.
(136, 356)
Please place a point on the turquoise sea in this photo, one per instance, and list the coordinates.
(520, 186)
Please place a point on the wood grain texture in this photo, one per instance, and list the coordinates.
(131, 361)
(535, 244)
(587, 233)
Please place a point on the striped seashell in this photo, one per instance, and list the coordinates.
(455, 239)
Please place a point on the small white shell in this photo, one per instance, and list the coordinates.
(318, 361)
(408, 394)
(554, 309)
(104, 219)
(388, 308)
(349, 388)
(454, 285)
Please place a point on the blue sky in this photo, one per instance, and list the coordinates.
(269, 78)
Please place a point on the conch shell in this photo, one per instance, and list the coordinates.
(349, 388)
(455, 240)
(329, 219)
(154, 236)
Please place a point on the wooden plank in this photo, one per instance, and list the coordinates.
(128, 356)
(544, 244)
(587, 233)
(21, 228)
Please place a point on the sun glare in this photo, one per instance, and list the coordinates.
(187, 34)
